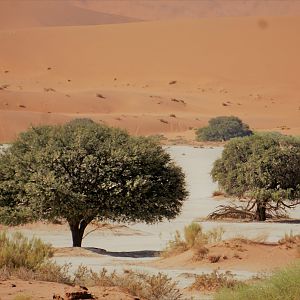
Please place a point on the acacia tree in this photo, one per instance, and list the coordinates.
(83, 171)
(263, 169)
(223, 128)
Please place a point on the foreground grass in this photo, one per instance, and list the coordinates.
(30, 259)
(282, 285)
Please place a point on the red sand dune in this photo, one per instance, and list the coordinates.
(120, 74)
(36, 13)
(166, 9)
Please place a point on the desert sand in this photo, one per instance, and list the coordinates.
(39, 290)
(153, 69)
(153, 77)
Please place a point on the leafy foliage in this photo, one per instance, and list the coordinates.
(263, 168)
(223, 128)
(282, 285)
(83, 171)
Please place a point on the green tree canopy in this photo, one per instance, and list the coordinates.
(264, 168)
(222, 129)
(82, 171)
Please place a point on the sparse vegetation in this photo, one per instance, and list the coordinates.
(83, 171)
(100, 96)
(222, 129)
(290, 239)
(172, 82)
(18, 251)
(163, 121)
(49, 90)
(195, 239)
(263, 169)
(29, 259)
(143, 285)
(214, 281)
(282, 285)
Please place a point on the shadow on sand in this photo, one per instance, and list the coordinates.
(131, 254)
(287, 221)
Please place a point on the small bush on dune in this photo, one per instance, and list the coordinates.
(194, 238)
(192, 234)
(283, 285)
(175, 246)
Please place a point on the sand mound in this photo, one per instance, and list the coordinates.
(9, 289)
(236, 254)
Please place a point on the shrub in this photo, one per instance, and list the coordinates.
(194, 238)
(214, 281)
(192, 233)
(175, 246)
(142, 285)
(290, 238)
(29, 259)
(222, 129)
(18, 251)
(282, 285)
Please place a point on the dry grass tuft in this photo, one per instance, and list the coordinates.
(194, 238)
(142, 285)
(214, 281)
(290, 239)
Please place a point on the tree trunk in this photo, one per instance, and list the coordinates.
(261, 211)
(77, 228)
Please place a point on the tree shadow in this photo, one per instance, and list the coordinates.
(287, 221)
(130, 254)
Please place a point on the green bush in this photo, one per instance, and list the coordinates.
(29, 259)
(222, 129)
(18, 251)
(283, 285)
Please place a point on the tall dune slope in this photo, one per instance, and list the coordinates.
(248, 50)
(153, 77)
(166, 9)
(35, 13)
